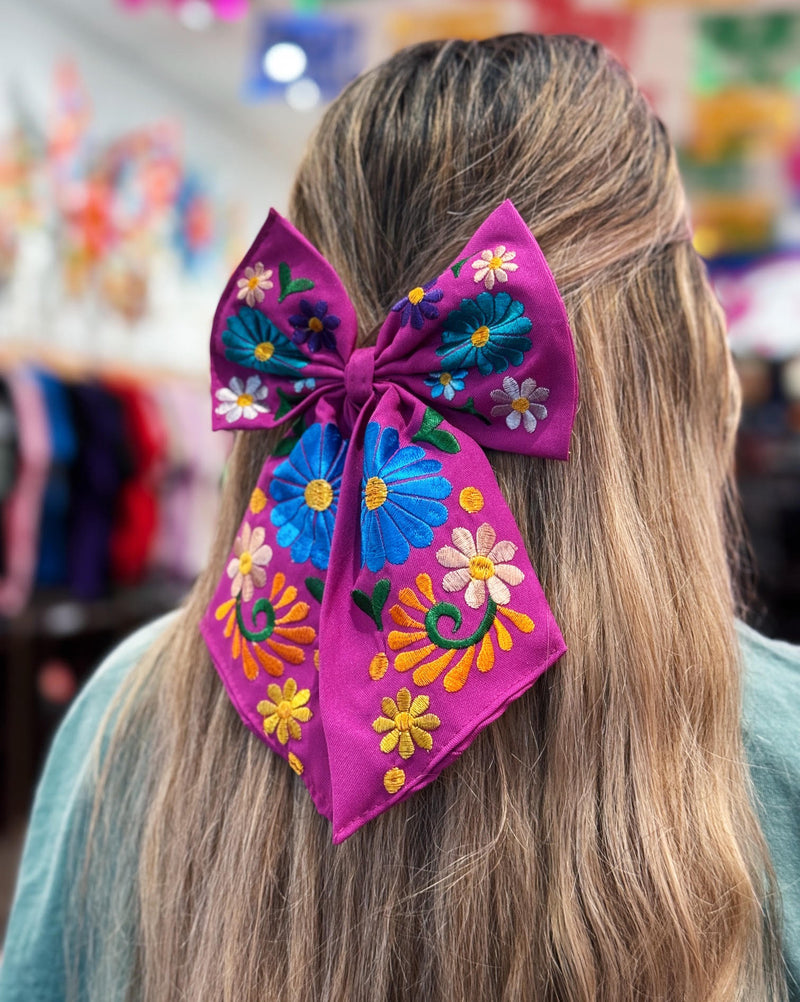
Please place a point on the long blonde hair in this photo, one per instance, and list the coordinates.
(596, 843)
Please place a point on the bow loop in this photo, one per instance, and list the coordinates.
(371, 679)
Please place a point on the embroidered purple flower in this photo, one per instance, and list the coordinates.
(446, 383)
(417, 306)
(314, 325)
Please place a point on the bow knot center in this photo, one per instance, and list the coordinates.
(358, 375)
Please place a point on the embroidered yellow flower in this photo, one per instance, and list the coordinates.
(416, 649)
(252, 286)
(406, 723)
(480, 564)
(494, 265)
(285, 628)
(283, 709)
(250, 556)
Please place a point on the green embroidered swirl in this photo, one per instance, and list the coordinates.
(450, 611)
(262, 607)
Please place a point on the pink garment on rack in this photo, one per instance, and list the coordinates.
(22, 510)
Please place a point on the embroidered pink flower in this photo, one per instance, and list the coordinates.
(522, 404)
(239, 399)
(480, 563)
(494, 265)
(252, 286)
(250, 556)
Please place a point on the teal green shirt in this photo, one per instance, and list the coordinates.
(33, 966)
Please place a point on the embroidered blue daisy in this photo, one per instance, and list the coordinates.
(446, 383)
(487, 331)
(252, 340)
(306, 488)
(300, 385)
(314, 326)
(418, 305)
(400, 498)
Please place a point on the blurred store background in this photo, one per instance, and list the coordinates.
(141, 143)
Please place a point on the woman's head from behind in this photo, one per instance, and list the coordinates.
(596, 842)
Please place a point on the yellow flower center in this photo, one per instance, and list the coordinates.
(481, 568)
(264, 351)
(496, 262)
(403, 721)
(318, 495)
(521, 404)
(253, 283)
(244, 400)
(445, 378)
(315, 324)
(416, 295)
(480, 336)
(284, 709)
(375, 493)
(246, 562)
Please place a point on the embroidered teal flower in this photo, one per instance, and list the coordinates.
(446, 383)
(306, 487)
(252, 340)
(400, 498)
(488, 331)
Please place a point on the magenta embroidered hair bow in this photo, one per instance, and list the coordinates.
(379, 609)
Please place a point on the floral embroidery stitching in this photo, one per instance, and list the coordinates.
(252, 339)
(242, 400)
(250, 556)
(446, 383)
(252, 286)
(301, 385)
(314, 326)
(283, 709)
(480, 564)
(306, 487)
(494, 265)
(405, 723)
(247, 643)
(487, 331)
(523, 404)
(419, 615)
(400, 498)
(290, 285)
(418, 305)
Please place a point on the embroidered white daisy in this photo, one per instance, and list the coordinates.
(522, 404)
(252, 286)
(480, 564)
(250, 556)
(493, 266)
(239, 399)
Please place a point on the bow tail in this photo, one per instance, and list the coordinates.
(436, 620)
(262, 626)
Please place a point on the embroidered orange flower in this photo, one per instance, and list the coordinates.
(281, 633)
(406, 723)
(283, 709)
(420, 646)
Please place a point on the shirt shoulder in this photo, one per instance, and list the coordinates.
(33, 966)
(771, 728)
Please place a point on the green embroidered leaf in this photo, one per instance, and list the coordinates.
(285, 446)
(429, 432)
(289, 285)
(316, 586)
(287, 402)
(469, 408)
(456, 268)
(373, 607)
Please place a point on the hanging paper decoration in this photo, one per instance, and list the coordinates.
(760, 48)
(194, 231)
(613, 28)
(408, 27)
(224, 10)
(295, 54)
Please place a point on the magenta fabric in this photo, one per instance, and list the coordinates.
(370, 679)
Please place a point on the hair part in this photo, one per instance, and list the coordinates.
(598, 842)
